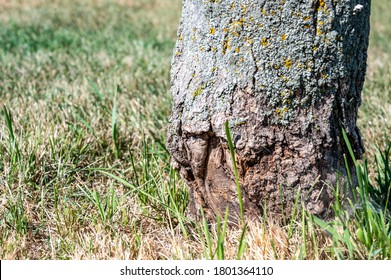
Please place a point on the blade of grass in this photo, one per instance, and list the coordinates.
(114, 125)
(221, 233)
(207, 234)
(345, 136)
(232, 151)
(242, 243)
(13, 144)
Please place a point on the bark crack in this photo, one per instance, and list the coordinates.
(255, 67)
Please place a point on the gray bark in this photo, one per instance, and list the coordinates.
(287, 75)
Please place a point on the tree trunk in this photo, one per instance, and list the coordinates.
(287, 75)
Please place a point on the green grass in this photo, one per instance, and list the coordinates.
(366, 232)
(84, 172)
(233, 159)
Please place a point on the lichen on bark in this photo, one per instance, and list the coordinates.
(287, 75)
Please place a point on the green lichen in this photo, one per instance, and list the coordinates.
(198, 91)
(240, 122)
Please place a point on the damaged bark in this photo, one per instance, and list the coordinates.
(287, 75)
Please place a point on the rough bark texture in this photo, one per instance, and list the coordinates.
(287, 75)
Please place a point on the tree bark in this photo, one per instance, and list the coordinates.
(287, 75)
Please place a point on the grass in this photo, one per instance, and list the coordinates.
(232, 152)
(84, 172)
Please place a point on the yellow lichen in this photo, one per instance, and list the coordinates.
(244, 8)
(237, 49)
(264, 42)
(319, 32)
(284, 79)
(226, 45)
(250, 41)
(322, 5)
(237, 24)
(283, 37)
(194, 37)
(213, 31)
(288, 63)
